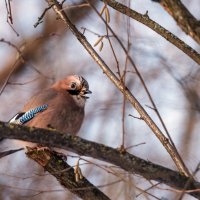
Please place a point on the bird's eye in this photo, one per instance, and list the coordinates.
(73, 85)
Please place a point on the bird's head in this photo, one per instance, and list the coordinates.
(75, 85)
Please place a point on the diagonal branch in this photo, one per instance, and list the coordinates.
(187, 22)
(144, 19)
(64, 173)
(126, 161)
(129, 96)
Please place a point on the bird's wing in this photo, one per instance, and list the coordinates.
(41, 98)
(23, 117)
(35, 105)
(14, 119)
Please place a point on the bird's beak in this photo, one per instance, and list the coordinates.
(87, 92)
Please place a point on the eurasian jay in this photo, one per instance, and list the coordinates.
(60, 107)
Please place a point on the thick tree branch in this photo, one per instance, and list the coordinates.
(187, 22)
(144, 115)
(126, 161)
(64, 173)
(144, 19)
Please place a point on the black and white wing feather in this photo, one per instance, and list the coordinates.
(23, 117)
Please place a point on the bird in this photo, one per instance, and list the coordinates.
(61, 106)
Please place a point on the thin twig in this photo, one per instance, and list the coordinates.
(75, 6)
(113, 51)
(149, 188)
(24, 83)
(135, 145)
(14, 65)
(140, 118)
(9, 12)
(9, 16)
(90, 31)
(42, 16)
(123, 78)
(8, 77)
(21, 58)
(9, 152)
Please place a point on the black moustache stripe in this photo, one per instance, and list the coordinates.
(74, 92)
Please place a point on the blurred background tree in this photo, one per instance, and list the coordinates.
(32, 58)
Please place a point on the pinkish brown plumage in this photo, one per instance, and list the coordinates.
(65, 102)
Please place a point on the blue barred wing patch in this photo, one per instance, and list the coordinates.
(22, 118)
